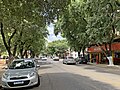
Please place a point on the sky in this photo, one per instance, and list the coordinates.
(51, 36)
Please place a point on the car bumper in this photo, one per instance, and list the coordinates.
(71, 62)
(56, 59)
(9, 84)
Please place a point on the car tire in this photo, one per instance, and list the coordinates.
(37, 85)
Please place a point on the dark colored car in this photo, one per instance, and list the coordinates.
(81, 60)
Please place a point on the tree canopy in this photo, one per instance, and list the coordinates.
(57, 48)
(86, 22)
(22, 25)
(81, 22)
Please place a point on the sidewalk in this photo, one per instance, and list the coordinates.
(1, 72)
(103, 68)
(105, 65)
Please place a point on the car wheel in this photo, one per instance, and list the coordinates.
(38, 82)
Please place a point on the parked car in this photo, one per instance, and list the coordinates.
(56, 58)
(44, 58)
(21, 73)
(69, 60)
(81, 60)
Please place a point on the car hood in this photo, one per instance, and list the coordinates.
(19, 72)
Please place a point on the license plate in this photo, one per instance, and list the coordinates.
(18, 82)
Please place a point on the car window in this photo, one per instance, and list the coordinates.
(22, 64)
(70, 58)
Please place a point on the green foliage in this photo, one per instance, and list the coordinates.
(102, 18)
(2, 47)
(86, 22)
(24, 16)
(53, 8)
(73, 25)
(57, 47)
(81, 22)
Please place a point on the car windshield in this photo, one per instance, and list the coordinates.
(22, 64)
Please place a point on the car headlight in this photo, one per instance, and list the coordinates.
(32, 74)
(5, 76)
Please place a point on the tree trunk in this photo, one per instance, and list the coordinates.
(21, 53)
(11, 58)
(83, 50)
(79, 54)
(14, 50)
(107, 53)
(25, 54)
(22, 49)
(9, 41)
(4, 41)
(32, 54)
(113, 35)
(110, 55)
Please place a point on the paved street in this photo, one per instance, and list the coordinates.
(102, 68)
(57, 76)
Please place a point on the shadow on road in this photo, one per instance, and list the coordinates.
(69, 81)
(105, 69)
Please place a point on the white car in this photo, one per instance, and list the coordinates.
(21, 73)
(56, 58)
(44, 58)
(69, 60)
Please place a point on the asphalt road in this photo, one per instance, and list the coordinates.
(57, 76)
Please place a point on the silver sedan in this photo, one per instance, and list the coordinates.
(69, 60)
(21, 73)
